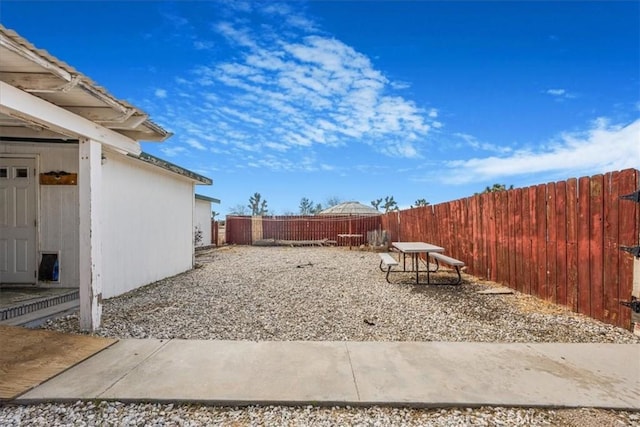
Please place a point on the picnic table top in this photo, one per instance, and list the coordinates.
(416, 247)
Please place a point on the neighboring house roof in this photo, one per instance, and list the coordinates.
(38, 73)
(207, 199)
(350, 208)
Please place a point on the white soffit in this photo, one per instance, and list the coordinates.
(41, 75)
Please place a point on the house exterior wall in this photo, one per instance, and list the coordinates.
(147, 218)
(57, 229)
(203, 221)
(148, 224)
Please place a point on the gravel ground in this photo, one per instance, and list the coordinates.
(331, 294)
(324, 294)
(120, 414)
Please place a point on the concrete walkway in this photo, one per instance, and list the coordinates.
(423, 374)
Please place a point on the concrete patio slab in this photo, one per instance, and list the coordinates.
(236, 372)
(91, 378)
(471, 374)
(420, 374)
(611, 372)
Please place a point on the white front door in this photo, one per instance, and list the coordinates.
(17, 220)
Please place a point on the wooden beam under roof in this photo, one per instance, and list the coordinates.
(22, 105)
(39, 82)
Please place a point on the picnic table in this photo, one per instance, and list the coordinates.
(351, 237)
(415, 249)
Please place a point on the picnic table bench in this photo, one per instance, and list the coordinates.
(388, 261)
(456, 263)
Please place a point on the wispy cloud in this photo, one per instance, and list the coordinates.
(160, 93)
(603, 147)
(472, 142)
(556, 92)
(173, 151)
(195, 144)
(559, 94)
(288, 85)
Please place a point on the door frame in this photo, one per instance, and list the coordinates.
(36, 246)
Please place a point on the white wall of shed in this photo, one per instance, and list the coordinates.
(148, 224)
(203, 221)
(58, 206)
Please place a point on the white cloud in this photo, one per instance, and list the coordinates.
(600, 149)
(202, 45)
(400, 85)
(173, 151)
(556, 92)
(195, 144)
(284, 87)
(472, 141)
(559, 94)
(315, 88)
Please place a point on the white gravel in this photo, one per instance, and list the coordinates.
(121, 414)
(323, 294)
(331, 294)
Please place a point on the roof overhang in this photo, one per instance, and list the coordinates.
(207, 198)
(179, 170)
(42, 97)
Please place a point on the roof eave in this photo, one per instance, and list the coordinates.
(171, 167)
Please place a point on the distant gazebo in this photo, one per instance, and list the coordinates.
(351, 208)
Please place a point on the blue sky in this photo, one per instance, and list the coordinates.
(364, 99)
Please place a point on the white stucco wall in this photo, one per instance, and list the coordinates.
(147, 219)
(203, 221)
(58, 205)
(148, 224)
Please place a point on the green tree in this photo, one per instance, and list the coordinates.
(257, 205)
(307, 207)
(386, 207)
(496, 188)
(389, 204)
(332, 201)
(420, 202)
(238, 209)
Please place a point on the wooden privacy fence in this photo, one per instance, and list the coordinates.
(215, 230)
(558, 241)
(246, 230)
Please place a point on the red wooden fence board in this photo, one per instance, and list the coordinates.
(519, 240)
(502, 263)
(596, 247)
(561, 242)
(572, 244)
(584, 229)
(551, 244)
(511, 247)
(476, 236)
(540, 241)
(526, 241)
(484, 241)
(628, 219)
(611, 253)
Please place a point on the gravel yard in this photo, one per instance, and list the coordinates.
(281, 293)
(331, 294)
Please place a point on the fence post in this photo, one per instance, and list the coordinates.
(634, 304)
